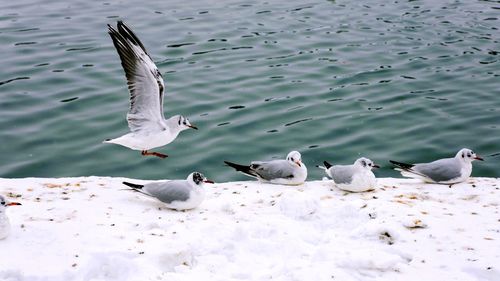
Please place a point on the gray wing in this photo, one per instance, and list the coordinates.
(440, 170)
(144, 80)
(167, 192)
(342, 174)
(276, 169)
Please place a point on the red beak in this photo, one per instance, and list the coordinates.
(479, 158)
(193, 127)
(13, 204)
(208, 181)
(298, 163)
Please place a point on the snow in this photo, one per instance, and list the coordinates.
(93, 229)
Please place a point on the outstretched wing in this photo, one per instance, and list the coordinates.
(144, 80)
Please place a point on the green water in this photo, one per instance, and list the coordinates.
(404, 80)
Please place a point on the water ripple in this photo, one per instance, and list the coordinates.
(69, 100)
(298, 121)
(410, 80)
(12, 80)
(25, 43)
(236, 107)
(179, 45)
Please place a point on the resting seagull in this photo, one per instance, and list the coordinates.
(289, 172)
(357, 177)
(176, 194)
(443, 171)
(148, 127)
(4, 220)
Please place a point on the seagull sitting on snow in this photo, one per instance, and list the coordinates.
(176, 194)
(443, 171)
(148, 126)
(289, 172)
(357, 177)
(4, 220)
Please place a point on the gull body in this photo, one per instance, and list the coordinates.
(4, 220)
(357, 177)
(176, 194)
(148, 127)
(442, 171)
(290, 171)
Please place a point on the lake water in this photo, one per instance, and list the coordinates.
(335, 80)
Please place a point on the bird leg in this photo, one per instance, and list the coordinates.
(152, 153)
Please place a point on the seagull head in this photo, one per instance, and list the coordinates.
(366, 163)
(198, 179)
(184, 123)
(294, 158)
(4, 203)
(467, 155)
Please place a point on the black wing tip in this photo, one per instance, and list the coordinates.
(327, 165)
(240, 168)
(402, 165)
(133, 185)
(111, 30)
(127, 33)
(122, 27)
(231, 164)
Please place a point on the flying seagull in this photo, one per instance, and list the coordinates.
(289, 172)
(148, 127)
(444, 171)
(357, 177)
(176, 194)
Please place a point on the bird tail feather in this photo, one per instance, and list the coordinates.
(133, 185)
(402, 165)
(242, 168)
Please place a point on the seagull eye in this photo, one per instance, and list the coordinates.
(468, 155)
(3, 203)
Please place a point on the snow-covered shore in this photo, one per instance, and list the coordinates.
(91, 229)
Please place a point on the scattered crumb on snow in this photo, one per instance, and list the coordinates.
(92, 229)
